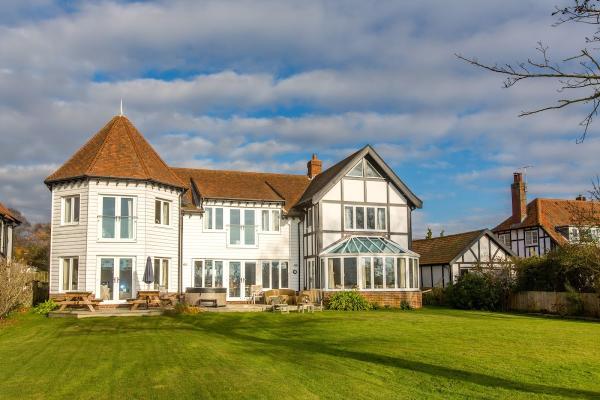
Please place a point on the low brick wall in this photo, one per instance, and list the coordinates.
(390, 298)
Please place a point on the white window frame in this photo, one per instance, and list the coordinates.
(279, 273)
(118, 217)
(214, 275)
(529, 238)
(243, 228)
(71, 217)
(502, 237)
(161, 219)
(161, 277)
(363, 163)
(210, 219)
(273, 220)
(309, 218)
(410, 263)
(70, 261)
(354, 227)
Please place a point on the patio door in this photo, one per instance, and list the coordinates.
(241, 277)
(116, 279)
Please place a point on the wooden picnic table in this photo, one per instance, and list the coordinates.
(148, 297)
(74, 299)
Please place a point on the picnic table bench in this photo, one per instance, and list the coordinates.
(151, 298)
(75, 300)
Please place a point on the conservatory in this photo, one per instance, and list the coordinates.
(369, 263)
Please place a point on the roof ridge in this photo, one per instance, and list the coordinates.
(109, 127)
(137, 151)
(238, 171)
(454, 234)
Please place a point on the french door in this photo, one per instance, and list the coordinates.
(242, 276)
(116, 279)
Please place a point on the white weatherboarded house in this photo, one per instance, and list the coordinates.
(115, 204)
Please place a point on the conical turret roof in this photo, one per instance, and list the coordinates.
(117, 151)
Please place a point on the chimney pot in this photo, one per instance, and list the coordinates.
(314, 166)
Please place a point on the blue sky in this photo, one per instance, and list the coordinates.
(262, 85)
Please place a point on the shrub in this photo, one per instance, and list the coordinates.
(45, 307)
(435, 297)
(405, 305)
(182, 308)
(571, 265)
(15, 286)
(348, 301)
(473, 291)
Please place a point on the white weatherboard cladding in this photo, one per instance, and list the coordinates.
(354, 190)
(395, 196)
(331, 216)
(295, 263)
(335, 193)
(151, 239)
(68, 240)
(201, 244)
(376, 191)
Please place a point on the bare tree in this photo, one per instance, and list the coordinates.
(15, 286)
(578, 77)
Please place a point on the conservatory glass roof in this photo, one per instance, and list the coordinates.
(366, 245)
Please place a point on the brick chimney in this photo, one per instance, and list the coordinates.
(314, 166)
(519, 198)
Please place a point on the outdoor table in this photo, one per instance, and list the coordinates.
(72, 299)
(148, 297)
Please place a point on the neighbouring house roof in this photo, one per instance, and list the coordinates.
(7, 215)
(553, 213)
(444, 250)
(322, 182)
(241, 185)
(117, 151)
(365, 245)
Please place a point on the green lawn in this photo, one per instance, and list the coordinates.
(430, 353)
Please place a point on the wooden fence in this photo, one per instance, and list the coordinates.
(555, 303)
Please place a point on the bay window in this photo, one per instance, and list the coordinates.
(213, 218)
(117, 217)
(354, 218)
(70, 208)
(70, 273)
(162, 212)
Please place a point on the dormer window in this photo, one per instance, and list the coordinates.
(70, 210)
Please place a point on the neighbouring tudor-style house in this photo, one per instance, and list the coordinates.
(444, 259)
(115, 203)
(543, 224)
(8, 223)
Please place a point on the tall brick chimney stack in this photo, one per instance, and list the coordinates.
(314, 166)
(519, 198)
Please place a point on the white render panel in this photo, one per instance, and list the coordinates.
(398, 219)
(335, 193)
(402, 240)
(354, 190)
(484, 247)
(331, 216)
(376, 191)
(329, 237)
(395, 196)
